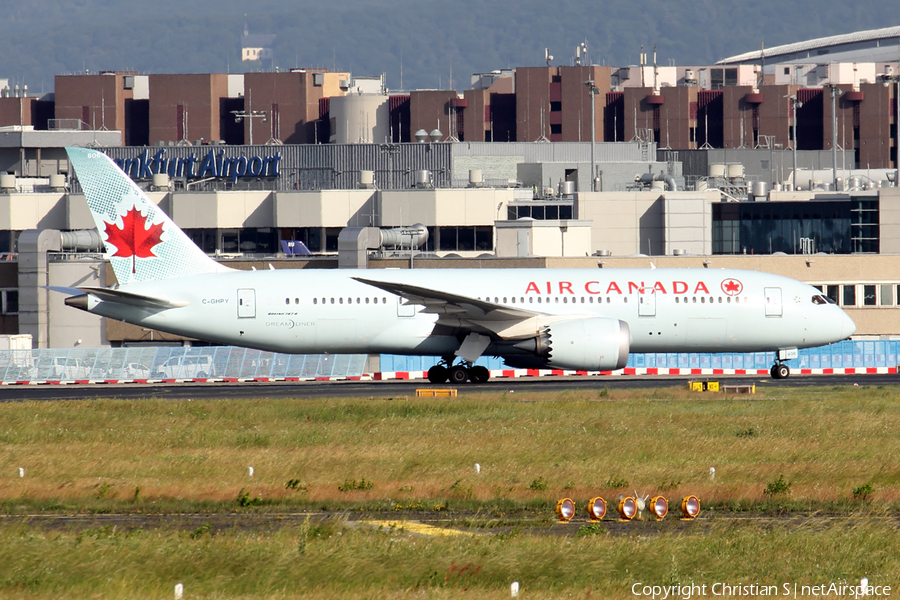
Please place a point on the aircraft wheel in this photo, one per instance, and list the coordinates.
(782, 371)
(773, 373)
(437, 374)
(479, 374)
(459, 374)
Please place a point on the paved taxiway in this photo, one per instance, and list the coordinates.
(382, 389)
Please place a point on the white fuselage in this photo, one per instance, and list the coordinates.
(317, 311)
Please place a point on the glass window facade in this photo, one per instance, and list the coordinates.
(465, 238)
(249, 240)
(843, 225)
(540, 212)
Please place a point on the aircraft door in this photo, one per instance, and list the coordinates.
(246, 303)
(773, 302)
(647, 303)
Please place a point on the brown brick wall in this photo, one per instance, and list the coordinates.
(428, 109)
(98, 100)
(197, 95)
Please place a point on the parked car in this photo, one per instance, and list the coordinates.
(186, 367)
(68, 369)
(136, 371)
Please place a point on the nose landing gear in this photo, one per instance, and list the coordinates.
(780, 370)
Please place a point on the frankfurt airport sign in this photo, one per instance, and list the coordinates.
(214, 164)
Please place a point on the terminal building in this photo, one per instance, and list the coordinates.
(705, 166)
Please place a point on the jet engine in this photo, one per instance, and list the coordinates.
(597, 344)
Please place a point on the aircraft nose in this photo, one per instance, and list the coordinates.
(848, 327)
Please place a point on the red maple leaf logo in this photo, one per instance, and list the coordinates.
(134, 239)
(732, 287)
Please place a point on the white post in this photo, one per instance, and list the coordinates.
(179, 591)
(794, 135)
(834, 123)
(514, 589)
(250, 110)
(249, 471)
(21, 471)
(592, 90)
(897, 130)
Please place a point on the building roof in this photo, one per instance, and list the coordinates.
(786, 50)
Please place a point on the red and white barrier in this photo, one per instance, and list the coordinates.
(495, 374)
(512, 373)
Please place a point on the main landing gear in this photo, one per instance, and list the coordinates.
(458, 374)
(780, 370)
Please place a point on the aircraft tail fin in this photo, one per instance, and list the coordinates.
(142, 243)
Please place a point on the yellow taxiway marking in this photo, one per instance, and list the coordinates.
(420, 528)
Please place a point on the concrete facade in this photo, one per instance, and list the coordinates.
(650, 222)
(443, 207)
(328, 208)
(889, 220)
(525, 238)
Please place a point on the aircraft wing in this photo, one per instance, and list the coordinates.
(456, 310)
(436, 301)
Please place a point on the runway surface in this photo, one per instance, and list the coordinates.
(388, 389)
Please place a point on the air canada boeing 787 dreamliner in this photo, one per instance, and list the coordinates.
(580, 319)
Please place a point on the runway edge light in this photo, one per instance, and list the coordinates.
(565, 510)
(690, 507)
(596, 508)
(627, 508)
(659, 506)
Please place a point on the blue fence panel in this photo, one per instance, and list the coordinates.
(875, 353)
(401, 363)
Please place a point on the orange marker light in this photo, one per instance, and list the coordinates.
(596, 508)
(627, 508)
(690, 507)
(565, 509)
(659, 506)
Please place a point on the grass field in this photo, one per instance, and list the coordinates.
(812, 451)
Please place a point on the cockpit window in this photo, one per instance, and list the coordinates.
(819, 299)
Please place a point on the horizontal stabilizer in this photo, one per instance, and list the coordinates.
(129, 298)
(63, 290)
